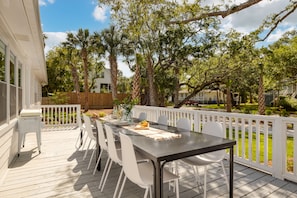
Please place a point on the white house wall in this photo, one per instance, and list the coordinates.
(21, 33)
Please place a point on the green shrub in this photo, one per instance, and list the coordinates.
(284, 113)
(289, 104)
(102, 114)
(268, 112)
(246, 111)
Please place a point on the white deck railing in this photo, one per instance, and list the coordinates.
(263, 142)
(61, 116)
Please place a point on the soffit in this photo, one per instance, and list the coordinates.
(21, 20)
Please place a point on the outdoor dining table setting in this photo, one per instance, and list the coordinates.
(162, 144)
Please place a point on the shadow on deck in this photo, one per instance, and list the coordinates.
(60, 171)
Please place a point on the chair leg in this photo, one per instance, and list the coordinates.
(176, 188)
(104, 172)
(94, 150)
(122, 187)
(97, 163)
(84, 141)
(106, 175)
(78, 140)
(86, 152)
(118, 183)
(146, 192)
(225, 175)
(205, 180)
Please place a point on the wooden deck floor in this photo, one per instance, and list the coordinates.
(59, 171)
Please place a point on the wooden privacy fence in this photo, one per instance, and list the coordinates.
(96, 100)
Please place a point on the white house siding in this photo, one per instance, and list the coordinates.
(21, 34)
(103, 83)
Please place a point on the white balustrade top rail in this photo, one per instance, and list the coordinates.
(267, 143)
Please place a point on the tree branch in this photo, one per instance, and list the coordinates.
(223, 14)
(279, 20)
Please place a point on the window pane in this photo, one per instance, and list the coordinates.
(20, 75)
(3, 102)
(12, 66)
(12, 101)
(2, 61)
(20, 100)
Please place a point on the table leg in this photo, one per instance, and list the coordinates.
(158, 178)
(81, 137)
(231, 173)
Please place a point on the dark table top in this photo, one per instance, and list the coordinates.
(188, 144)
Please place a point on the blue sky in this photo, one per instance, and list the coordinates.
(70, 15)
(61, 16)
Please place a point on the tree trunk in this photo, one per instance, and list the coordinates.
(84, 55)
(76, 82)
(261, 98)
(229, 100)
(176, 88)
(218, 97)
(114, 76)
(251, 96)
(150, 76)
(136, 82)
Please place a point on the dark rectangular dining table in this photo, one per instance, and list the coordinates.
(188, 144)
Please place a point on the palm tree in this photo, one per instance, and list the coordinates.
(112, 41)
(83, 41)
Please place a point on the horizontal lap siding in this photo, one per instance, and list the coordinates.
(8, 148)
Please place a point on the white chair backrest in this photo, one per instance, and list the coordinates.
(111, 147)
(183, 124)
(101, 135)
(163, 120)
(129, 160)
(142, 116)
(88, 126)
(215, 129)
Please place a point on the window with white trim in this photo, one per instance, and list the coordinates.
(3, 85)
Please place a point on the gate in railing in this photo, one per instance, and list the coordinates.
(266, 143)
(61, 117)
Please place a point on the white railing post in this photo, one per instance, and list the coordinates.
(78, 116)
(278, 149)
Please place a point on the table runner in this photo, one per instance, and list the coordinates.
(156, 134)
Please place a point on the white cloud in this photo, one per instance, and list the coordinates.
(45, 2)
(99, 13)
(251, 18)
(53, 40)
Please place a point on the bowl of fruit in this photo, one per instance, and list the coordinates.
(143, 125)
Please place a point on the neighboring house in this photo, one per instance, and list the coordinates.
(204, 96)
(22, 70)
(103, 83)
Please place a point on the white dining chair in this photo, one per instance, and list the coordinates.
(114, 155)
(215, 129)
(142, 116)
(141, 173)
(163, 120)
(183, 124)
(90, 135)
(102, 143)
